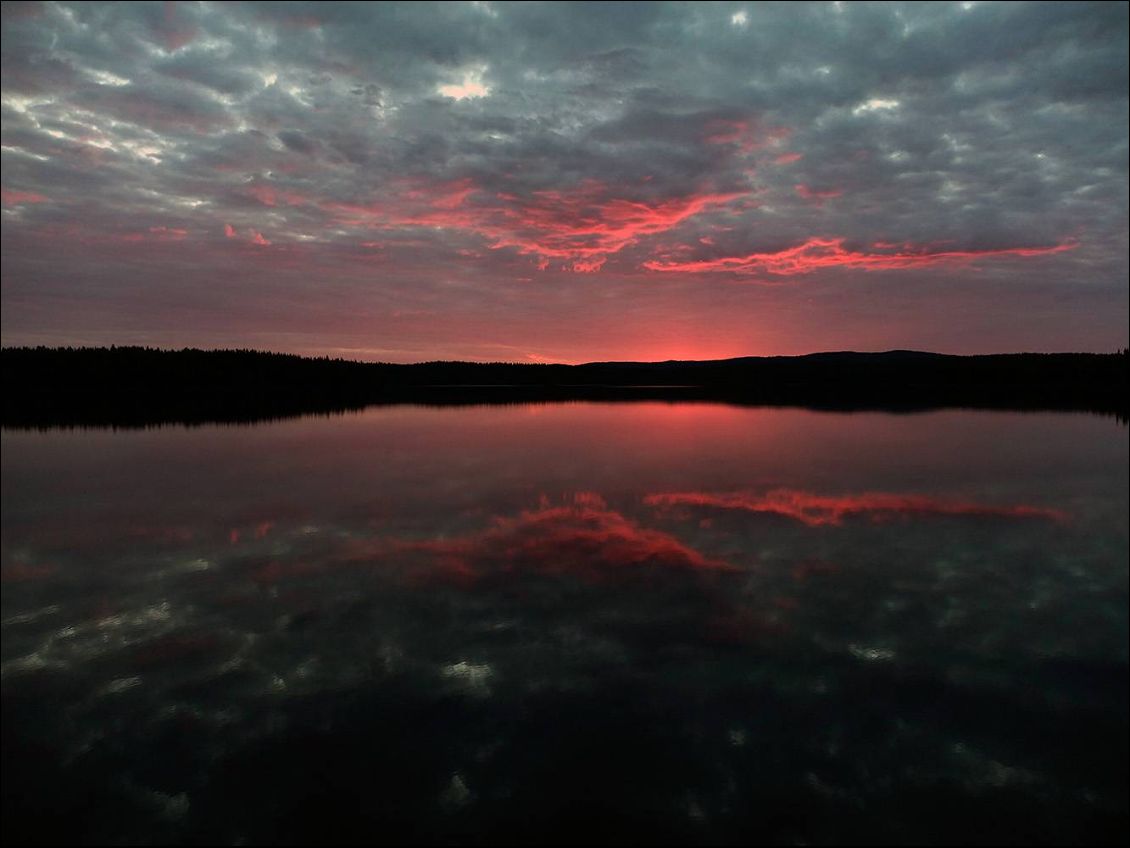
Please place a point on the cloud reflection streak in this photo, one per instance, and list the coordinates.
(585, 539)
(816, 510)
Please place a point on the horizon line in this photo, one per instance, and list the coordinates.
(81, 348)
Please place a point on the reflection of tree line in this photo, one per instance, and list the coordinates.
(133, 386)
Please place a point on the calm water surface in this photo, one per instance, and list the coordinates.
(612, 622)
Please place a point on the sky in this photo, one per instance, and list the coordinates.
(566, 182)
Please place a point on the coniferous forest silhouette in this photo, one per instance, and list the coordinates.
(140, 386)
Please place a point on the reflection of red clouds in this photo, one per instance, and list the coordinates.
(817, 253)
(158, 533)
(579, 227)
(584, 539)
(176, 647)
(788, 158)
(259, 531)
(809, 567)
(819, 510)
(742, 626)
(270, 573)
(22, 572)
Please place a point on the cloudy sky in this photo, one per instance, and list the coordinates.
(566, 182)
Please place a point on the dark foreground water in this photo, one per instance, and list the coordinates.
(605, 622)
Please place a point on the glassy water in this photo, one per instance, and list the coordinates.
(606, 622)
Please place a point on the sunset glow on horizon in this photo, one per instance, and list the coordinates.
(565, 183)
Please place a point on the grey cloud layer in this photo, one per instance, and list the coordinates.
(970, 125)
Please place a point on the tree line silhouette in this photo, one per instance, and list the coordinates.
(137, 386)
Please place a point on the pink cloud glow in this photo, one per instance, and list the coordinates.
(819, 196)
(16, 198)
(581, 226)
(744, 134)
(253, 236)
(173, 32)
(817, 253)
(168, 233)
(268, 195)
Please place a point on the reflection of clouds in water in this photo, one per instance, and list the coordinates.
(871, 654)
(21, 571)
(553, 604)
(982, 773)
(82, 642)
(186, 566)
(121, 684)
(30, 616)
(821, 510)
(469, 677)
(579, 537)
(456, 794)
(585, 539)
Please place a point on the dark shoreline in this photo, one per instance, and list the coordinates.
(140, 387)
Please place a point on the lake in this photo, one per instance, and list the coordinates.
(605, 622)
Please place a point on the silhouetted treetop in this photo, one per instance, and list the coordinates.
(138, 384)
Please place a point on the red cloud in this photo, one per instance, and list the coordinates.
(15, 198)
(169, 233)
(788, 158)
(819, 196)
(268, 195)
(153, 234)
(450, 196)
(819, 510)
(254, 236)
(589, 266)
(581, 227)
(817, 253)
(743, 133)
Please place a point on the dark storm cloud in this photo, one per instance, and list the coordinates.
(395, 148)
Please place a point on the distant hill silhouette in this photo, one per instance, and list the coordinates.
(136, 386)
